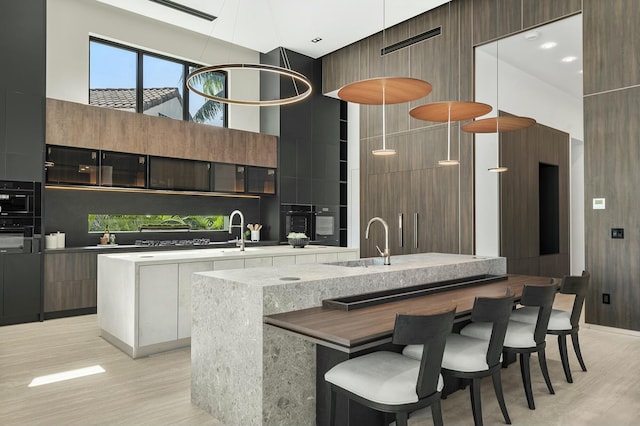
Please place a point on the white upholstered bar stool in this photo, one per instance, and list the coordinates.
(472, 359)
(563, 323)
(392, 383)
(524, 338)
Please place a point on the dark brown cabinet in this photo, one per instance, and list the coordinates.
(176, 174)
(228, 177)
(261, 180)
(70, 281)
(76, 166)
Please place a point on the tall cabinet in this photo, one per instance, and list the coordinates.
(22, 118)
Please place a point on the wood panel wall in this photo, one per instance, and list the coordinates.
(447, 62)
(612, 155)
(522, 152)
(86, 126)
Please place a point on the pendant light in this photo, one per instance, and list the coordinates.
(383, 91)
(449, 111)
(196, 80)
(499, 123)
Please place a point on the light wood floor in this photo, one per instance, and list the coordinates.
(155, 390)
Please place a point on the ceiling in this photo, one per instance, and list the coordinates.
(268, 24)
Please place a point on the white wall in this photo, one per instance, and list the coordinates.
(524, 95)
(71, 22)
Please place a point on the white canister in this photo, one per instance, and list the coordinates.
(60, 237)
(255, 235)
(51, 241)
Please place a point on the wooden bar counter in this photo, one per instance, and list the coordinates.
(343, 334)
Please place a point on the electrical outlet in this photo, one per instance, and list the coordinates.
(617, 232)
(606, 298)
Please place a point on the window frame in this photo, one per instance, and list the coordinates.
(140, 54)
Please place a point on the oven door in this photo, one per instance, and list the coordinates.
(11, 204)
(11, 241)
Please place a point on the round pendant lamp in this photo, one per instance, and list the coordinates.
(498, 124)
(396, 90)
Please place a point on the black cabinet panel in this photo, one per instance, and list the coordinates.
(261, 180)
(72, 165)
(171, 173)
(228, 177)
(21, 284)
(120, 169)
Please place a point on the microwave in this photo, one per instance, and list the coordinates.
(12, 203)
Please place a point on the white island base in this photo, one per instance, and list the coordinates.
(144, 298)
(245, 372)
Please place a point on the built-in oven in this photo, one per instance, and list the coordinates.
(299, 219)
(327, 225)
(20, 219)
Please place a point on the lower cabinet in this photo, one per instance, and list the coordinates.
(20, 287)
(69, 282)
(145, 308)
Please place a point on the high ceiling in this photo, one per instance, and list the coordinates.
(264, 25)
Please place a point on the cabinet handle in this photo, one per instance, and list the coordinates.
(400, 231)
(415, 230)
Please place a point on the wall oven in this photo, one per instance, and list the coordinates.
(299, 219)
(20, 219)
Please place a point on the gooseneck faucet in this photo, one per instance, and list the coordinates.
(241, 226)
(386, 254)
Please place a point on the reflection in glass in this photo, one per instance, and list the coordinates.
(112, 76)
(162, 87)
(203, 110)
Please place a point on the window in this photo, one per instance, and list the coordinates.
(130, 79)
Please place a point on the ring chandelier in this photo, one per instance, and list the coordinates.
(283, 72)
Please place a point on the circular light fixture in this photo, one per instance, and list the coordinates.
(449, 111)
(448, 162)
(396, 90)
(532, 35)
(569, 59)
(499, 169)
(284, 72)
(498, 124)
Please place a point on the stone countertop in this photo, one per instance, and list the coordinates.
(110, 248)
(164, 256)
(364, 268)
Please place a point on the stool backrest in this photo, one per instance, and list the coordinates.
(578, 285)
(495, 310)
(542, 297)
(430, 331)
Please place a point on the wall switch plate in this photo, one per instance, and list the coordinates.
(617, 232)
(606, 298)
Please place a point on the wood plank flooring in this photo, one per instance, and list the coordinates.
(156, 390)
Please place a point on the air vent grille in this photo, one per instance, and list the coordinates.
(185, 9)
(411, 40)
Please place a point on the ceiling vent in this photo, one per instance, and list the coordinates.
(411, 40)
(185, 9)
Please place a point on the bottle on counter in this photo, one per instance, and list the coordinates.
(112, 239)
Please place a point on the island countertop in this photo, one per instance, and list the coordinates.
(236, 357)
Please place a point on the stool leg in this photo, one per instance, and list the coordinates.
(402, 418)
(576, 347)
(497, 387)
(562, 345)
(436, 412)
(332, 408)
(476, 403)
(542, 359)
(525, 371)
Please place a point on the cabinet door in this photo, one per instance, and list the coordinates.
(185, 271)
(158, 304)
(21, 284)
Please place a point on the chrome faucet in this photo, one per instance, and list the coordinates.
(386, 253)
(241, 226)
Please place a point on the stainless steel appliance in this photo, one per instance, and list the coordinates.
(327, 225)
(297, 218)
(20, 220)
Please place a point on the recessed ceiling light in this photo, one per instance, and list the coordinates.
(315, 40)
(548, 45)
(580, 72)
(532, 35)
(568, 59)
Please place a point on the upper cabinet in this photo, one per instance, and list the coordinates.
(85, 126)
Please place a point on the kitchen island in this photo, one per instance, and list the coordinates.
(246, 372)
(144, 298)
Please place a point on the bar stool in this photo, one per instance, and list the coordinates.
(524, 338)
(392, 383)
(563, 323)
(472, 359)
